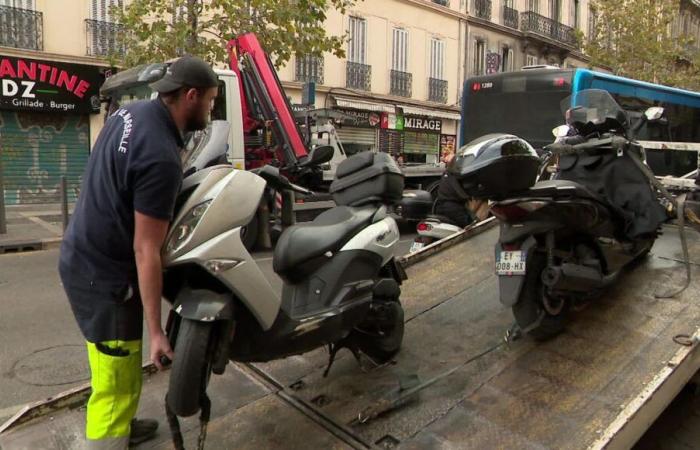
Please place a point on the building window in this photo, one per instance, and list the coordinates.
(358, 75)
(437, 86)
(309, 68)
(104, 36)
(534, 6)
(399, 52)
(554, 10)
(20, 25)
(531, 60)
(401, 81)
(575, 13)
(479, 63)
(507, 59)
(357, 45)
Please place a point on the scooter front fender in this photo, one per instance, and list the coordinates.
(203, 305)
(509, 286)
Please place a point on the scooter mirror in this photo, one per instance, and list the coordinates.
(654, 113)
(561, 131)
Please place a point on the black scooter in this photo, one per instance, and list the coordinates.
(563, 240)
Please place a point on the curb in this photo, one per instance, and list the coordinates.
(30, 245)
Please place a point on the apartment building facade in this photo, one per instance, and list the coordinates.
(51, 67)
(403, 72)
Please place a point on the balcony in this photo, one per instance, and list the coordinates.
(309, 68)
(401, 83)
(538, 25)
(21, 28)
(437, 90)
(482, 9)
(358, 76)
(510, 17)
(104, 38)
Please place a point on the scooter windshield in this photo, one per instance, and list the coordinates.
(206, 147)
(592, 106)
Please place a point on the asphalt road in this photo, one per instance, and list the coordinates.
(42, 351)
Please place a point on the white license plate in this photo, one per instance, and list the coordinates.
(416, 246)
(510, 262)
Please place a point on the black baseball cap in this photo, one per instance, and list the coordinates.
(189, 71)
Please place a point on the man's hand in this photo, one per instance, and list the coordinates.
(160, 347)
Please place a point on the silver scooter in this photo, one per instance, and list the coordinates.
(341, 282)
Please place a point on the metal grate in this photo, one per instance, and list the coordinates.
(309, 68)
(482, 9)
(358, 76)
(401, 83)
(21, 28)
(437, 90)
(544, 26)
(510, 17)
(104, 38)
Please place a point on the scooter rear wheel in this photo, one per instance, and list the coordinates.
(191, 367)
(529, 307)
(382, 337)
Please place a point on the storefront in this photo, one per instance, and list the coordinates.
(45, 110)
(411, 134)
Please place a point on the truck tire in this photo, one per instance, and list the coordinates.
(381, 338)
(191, 367)
(528, 308)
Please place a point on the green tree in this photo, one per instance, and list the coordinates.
(637, 39)
(157, 30)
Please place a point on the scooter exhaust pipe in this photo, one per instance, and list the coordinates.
(574, 277)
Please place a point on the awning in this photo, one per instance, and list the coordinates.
(346, 102)
(416, 111)
(367, 105)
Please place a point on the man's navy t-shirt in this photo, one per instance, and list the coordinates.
(134, 166)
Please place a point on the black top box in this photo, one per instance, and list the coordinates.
(366, 178)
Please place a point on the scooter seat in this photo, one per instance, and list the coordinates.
(327, 233)
(558, 188)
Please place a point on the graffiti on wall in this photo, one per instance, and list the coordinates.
(37, 150)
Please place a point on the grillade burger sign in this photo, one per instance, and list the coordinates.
(27, 84)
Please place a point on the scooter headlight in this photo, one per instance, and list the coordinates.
(184, 228)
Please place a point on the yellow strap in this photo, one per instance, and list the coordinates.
(116, 387)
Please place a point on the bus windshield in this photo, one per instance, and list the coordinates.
(524, 103)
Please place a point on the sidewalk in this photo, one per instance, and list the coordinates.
(32, 227)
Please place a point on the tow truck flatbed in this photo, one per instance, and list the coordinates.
(598, 385)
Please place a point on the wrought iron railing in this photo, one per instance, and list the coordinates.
(510, 17)
(437, 90)
(104, 38)
(482, 9)
(21, 28)
(309, 68)
(358, 76)
(401, 83)
(544, 26)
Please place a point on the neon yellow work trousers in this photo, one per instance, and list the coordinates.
(115, 368)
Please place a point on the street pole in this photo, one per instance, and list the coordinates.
(64, 203)
(3, 222)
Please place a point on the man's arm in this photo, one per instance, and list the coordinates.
(149, 235)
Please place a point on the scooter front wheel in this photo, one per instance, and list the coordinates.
(191, 368)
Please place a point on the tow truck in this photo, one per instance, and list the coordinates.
(457, 383)
(263, 130)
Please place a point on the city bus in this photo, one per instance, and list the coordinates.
(527, 103)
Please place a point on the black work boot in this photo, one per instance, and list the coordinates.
(142, 430)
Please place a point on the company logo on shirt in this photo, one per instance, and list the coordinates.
(128, 125)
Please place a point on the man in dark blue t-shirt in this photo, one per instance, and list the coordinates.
(110, 257)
